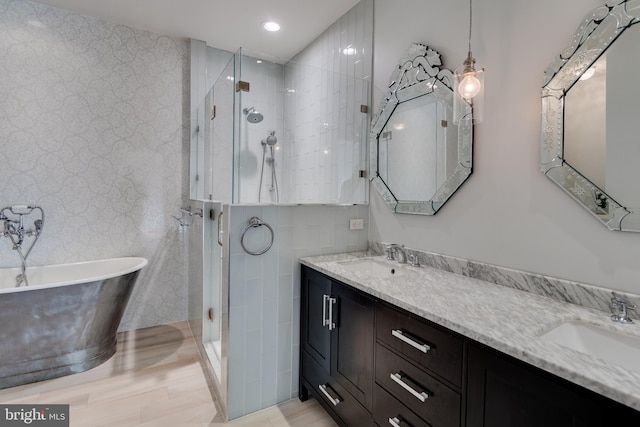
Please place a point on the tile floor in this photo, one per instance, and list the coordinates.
(155, 379)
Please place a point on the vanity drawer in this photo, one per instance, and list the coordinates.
(333, 397)
(389, 412)
(431, 399)
(411, 336)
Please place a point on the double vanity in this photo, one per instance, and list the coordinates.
(387, 343)
(393, 343)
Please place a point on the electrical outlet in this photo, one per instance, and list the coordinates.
(356, 224)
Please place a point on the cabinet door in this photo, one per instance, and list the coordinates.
(352, 342)
(502, 392)
(315, 336)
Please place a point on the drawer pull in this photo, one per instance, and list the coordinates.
(420, 395)
(398, 334)
(397, 422)
(334, 401)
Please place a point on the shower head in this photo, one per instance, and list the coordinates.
(271, 139)
(252, 115)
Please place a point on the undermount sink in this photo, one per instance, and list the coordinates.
(604, 344)
(374, 268)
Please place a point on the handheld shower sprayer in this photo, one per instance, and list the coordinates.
(271, 140)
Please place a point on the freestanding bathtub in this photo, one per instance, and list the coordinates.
(65, 321)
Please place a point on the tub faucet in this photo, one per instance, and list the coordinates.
(14, 229)
(393, 250)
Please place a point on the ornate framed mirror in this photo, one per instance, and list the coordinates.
(418, 157)
(590, 144)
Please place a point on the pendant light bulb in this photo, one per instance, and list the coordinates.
(470, 86)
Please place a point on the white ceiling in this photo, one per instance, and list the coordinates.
(224, 24)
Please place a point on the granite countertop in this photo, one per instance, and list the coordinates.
(504, 318)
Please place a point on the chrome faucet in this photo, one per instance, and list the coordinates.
(620, 308)
(393, 250)
(12, 218)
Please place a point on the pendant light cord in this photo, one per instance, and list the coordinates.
(470, 21)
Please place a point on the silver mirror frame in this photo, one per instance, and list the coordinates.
(418, 74)
(598, 30)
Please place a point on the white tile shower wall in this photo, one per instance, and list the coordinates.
(266, 95)
(95, 130)
(206, 65)
(325, 129)
(264, 295)
(323, 141)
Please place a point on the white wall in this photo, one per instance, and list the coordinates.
(508, 213)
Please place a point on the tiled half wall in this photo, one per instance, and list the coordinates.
(264, 295)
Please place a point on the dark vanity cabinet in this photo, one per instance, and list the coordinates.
(418, 367)
(371, 363)
(505, 392)
(337, 335)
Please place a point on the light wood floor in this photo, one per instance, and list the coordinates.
(155, 379)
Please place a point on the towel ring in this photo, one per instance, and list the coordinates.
(255, 222)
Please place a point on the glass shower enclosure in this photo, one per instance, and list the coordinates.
(282, 133)
(271, 133)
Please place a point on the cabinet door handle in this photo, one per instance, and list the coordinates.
(333, 400)
(401, 336)
(325, 300)
(398, 422)
(420, 395)
(332, 324)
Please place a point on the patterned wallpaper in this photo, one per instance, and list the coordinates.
(95, 130)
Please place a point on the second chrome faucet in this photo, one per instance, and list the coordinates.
(395, 251)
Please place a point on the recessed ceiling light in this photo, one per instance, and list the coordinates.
(271, 26)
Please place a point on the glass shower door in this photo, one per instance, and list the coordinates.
(219, 105)
(218, 108)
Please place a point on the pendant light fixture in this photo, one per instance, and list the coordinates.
(468, 99)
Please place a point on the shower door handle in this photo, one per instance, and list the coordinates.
(220, 227)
